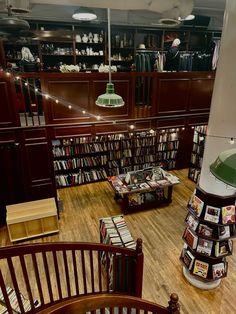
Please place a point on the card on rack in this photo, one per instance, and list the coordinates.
(197, 205)
(224, 232)
(212, 214)
(192, 222)
(223, 247)
(228, 214)
(218, 270)
(188, 258)
(204, 246)
(200, 268)
(205, 230)
(190, 238)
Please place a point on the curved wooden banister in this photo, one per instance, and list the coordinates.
(59, 271)
(107, 301)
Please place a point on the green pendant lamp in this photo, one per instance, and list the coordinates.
(109, 99)
(224, 167)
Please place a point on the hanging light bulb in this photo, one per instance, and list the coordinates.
(109, 99)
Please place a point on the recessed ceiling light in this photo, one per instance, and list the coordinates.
(84, 14)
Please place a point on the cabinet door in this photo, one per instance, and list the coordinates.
(11, 183)
(8, 117)
(39, 165)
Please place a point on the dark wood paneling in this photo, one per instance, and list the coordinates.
(35, 134)
(12, 181)
(171, 123)
(173, 96)
(198, 120)
(73, 131)
(74, 93)
(39, 166)
(185, 148)
(142, 125)
(110, 128)
(200, 94)
(7, 104)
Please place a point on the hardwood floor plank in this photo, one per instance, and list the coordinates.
(161, 230)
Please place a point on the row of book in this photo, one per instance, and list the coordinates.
(168, 145)
(196, 160)
(80, 162)
(207, 247)
(14, 302)
(194, 174)
(80, 177)
(218, 215)
(202, 268)
(198, 149)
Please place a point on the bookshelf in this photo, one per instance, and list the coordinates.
(197, 152)
(113, 230)
(210, 225)
(79, 160)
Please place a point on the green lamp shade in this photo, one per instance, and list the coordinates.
(224, 168)
(110, 99)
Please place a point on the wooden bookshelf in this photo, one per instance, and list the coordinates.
(197, 152)
(79, 160)
(32, 219)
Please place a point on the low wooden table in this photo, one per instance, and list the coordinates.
(134, 197)
(32, 219)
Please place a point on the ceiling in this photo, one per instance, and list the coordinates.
(50, 10)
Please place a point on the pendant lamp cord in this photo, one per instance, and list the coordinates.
(109, 42)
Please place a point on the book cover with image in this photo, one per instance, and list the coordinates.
(204, 246)
(212, 214)
(200, 268)
(188, 259)
(218, 270)
(197, 205)
(224, 232)
(205, 230)
(190, 238)
(192, 222)
(228, 214)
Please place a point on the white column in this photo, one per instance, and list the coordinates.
(222, 120)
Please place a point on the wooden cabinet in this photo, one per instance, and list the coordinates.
(84, 159)
(32, 219)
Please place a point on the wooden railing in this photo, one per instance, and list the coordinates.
(55, 272)
(101, 304)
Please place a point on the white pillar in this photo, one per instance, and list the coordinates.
(222, 120)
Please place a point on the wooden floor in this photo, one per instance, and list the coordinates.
(161, 230)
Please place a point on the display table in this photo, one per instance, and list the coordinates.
(143, 195)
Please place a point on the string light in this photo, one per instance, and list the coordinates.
(98, 117)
